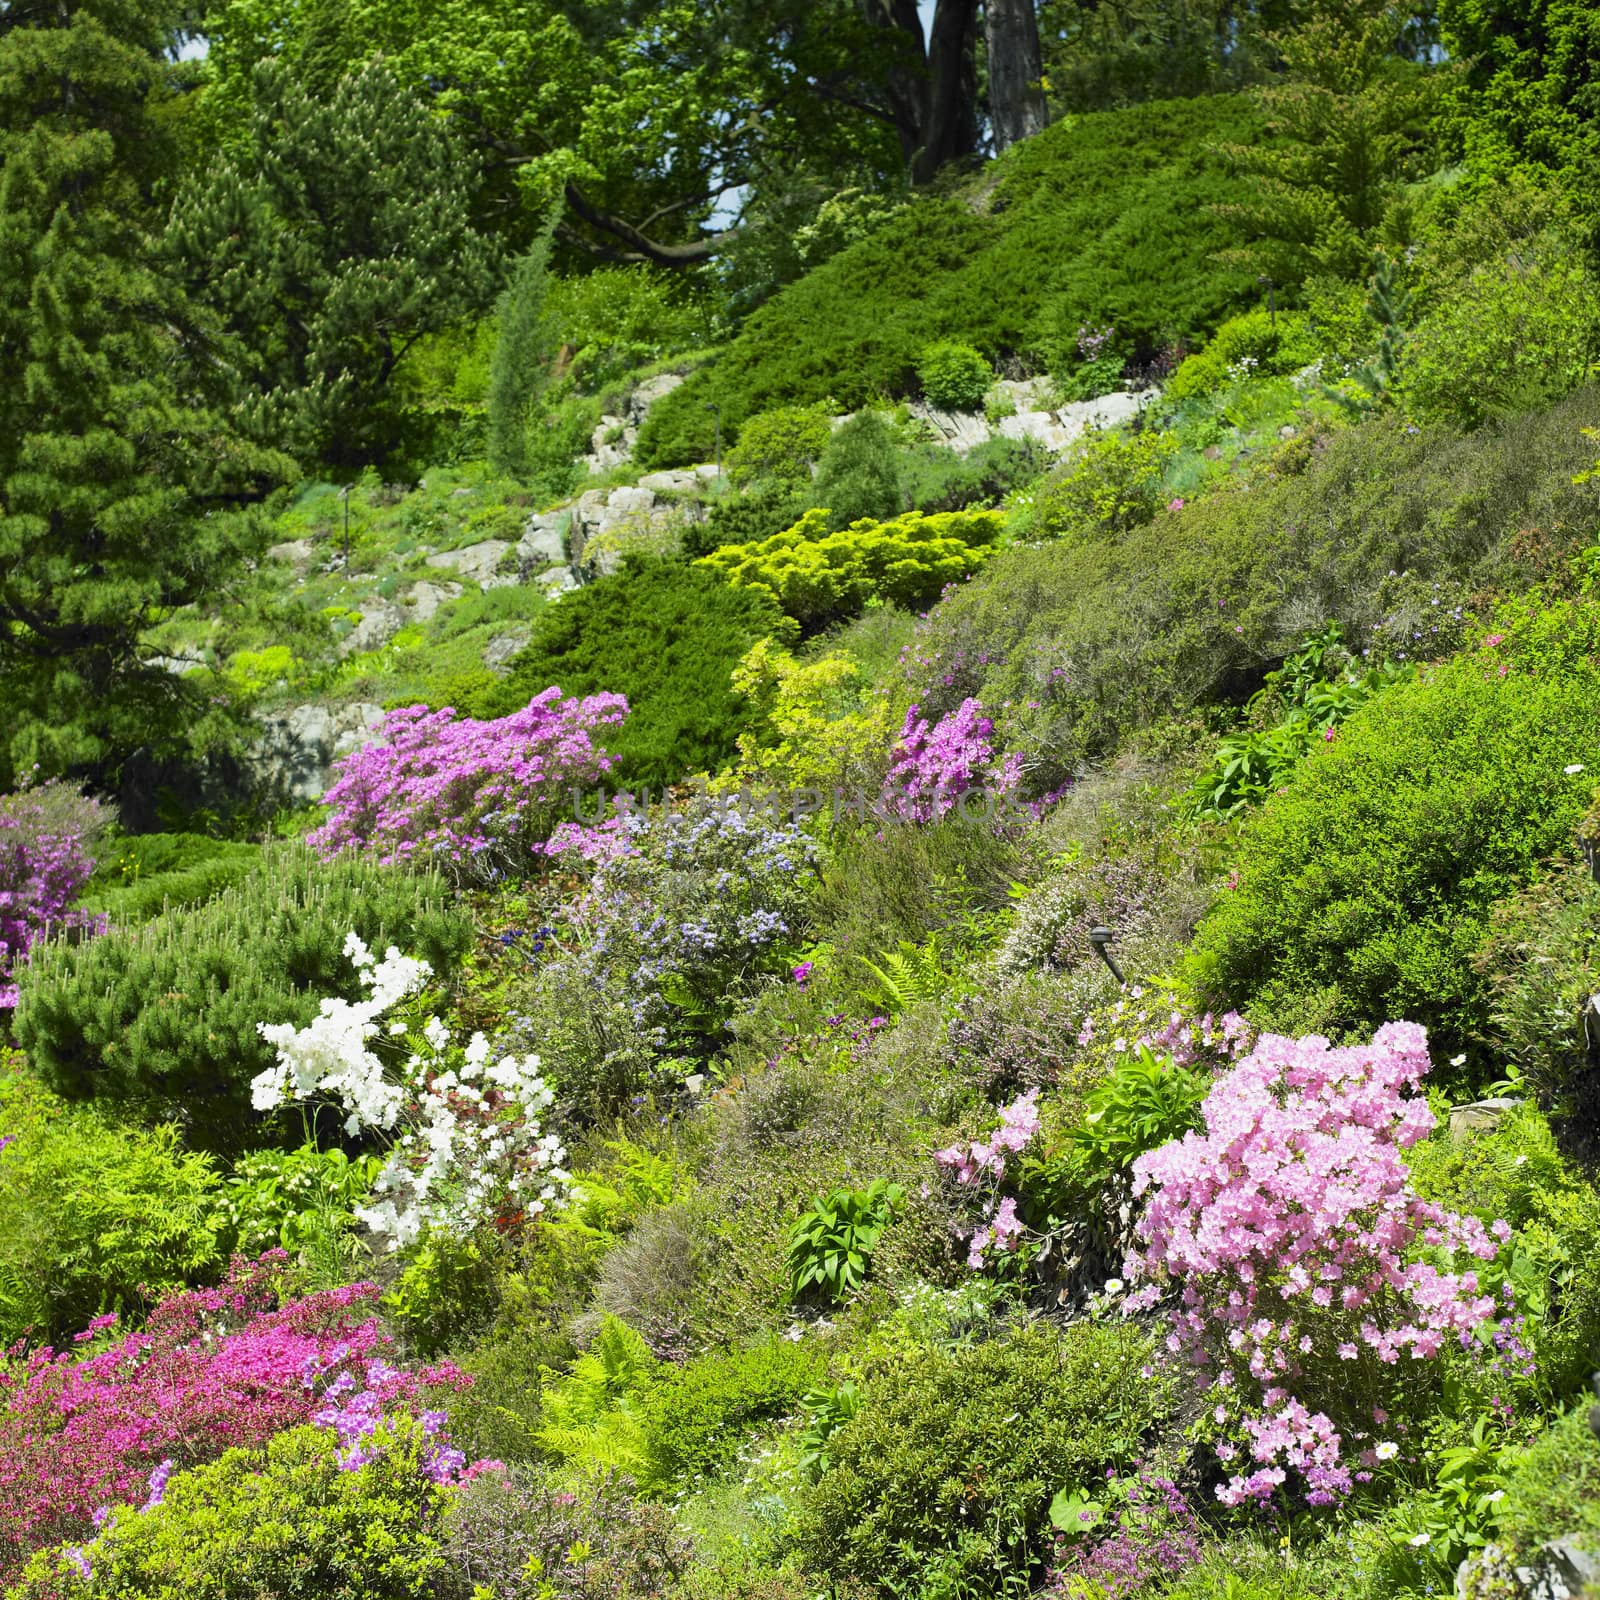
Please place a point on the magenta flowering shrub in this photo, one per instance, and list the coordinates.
(985, 1161)
(931, 768)
(1298, 1245)
(474, 799)
(45, 833)
(210, 1370)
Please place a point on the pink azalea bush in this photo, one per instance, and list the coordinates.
(933, 767)
(474, 799)
(45, 834)
(1298, 1245)
(210, 1370)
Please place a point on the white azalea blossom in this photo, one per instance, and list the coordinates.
(457, 1152)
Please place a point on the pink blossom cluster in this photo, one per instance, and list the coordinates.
(1167, 1030)
(1152, 1536)
(210, 1370)
(1002, 1228)
(475, 799)
(1296, 1239)
(356, 1413)
(44, 863)
(932, 767)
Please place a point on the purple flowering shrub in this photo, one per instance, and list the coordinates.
(474, 799)
(931, 768)
(45, 837)
(1316, 1288)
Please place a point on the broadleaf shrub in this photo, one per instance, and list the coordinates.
(780, 446)
(94, 1217)
(666, 637)
(815, 575)
(164, 1015)
(954, 377)
(949, 1463)
(1364, 890)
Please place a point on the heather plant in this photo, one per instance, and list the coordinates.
(816, 575)
(477, 800)
(209, 1370)
(164, 1015)
(466, 1143)
(1307, 1265)
(46, 833)
(95, 1217)
(290, 1515)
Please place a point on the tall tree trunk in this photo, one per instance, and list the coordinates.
(950, 126)
(1017, 108)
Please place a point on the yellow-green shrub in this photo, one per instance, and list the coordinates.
(815, 575)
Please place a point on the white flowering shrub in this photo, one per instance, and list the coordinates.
(466, 1143)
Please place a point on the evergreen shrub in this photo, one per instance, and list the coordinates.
(954, 377)
(947, 1469)
(144, 873)
(816, 575)
(164, 1015)
(862, 471)
(1255, 344)
(667, 637)
(780, 445)
(1364, 887)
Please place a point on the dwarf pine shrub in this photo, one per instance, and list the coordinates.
(165, 1014)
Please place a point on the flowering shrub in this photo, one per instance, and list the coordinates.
(44, 861)
(932, 768)
(210, 1370)
(1291, 1228)
(476, 799)
(466, 1136)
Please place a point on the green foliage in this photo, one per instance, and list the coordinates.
(1255, 343)
(759, 512)
(947, 1470)
(1518, 333)
(164, 1015)
(591, 1414)
(1309, 705)
(336, 237)
(937, 479)
(953, 377)
(1099, 219)
(860, 473)
(1364, 890)
(1553, 1487)
(697, 1416)
(517, 369)
(831, 1245)
(287, 1520)
(668, 637)
(617, 319)
(907, 976)
(1351, 120)
(142, 874)
(302, 1201)
(780, 446)
(118, 465)
(815, 575)
(1111, 484)
(94, 1217)
(1196, 605)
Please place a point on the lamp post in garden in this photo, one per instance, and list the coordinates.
(1101, 939)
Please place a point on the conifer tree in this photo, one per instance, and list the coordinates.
(115, 475)
(1347, 119)
(328, 246)
(517, 370)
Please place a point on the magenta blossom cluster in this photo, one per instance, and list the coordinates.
(44, 863)
(475, 799)
(933, 767)
(1301, 1252)
(357, 1413)
(985, 1161)
(210, 1370)
(1153, 1535)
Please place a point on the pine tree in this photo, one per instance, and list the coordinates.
(517, 370)
(1348, 117)
(1389, 304)
(328, 247)
(115, 475)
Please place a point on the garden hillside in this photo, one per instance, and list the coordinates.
(800, 805)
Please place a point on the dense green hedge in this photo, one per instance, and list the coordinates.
(1101, 220)
(667, 636)
(164, 1015)
(1364, 889)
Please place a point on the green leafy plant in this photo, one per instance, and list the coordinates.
(1147, 1100)
(1112, 483)
(954, 377)
(302, 1201)
(831, 1245)
(827, 1410)
(164, 1015)
(908, 975)
(780, 446)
